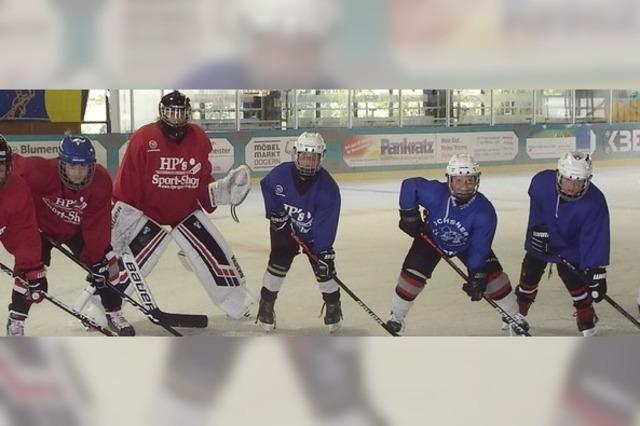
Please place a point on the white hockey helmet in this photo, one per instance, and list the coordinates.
(462, 165)
(574, 166)
(308, 153)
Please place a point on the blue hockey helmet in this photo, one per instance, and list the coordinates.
(76, 152)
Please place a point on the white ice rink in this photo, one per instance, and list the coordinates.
(370, 249)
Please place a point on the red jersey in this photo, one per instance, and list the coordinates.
(63, 213)
(18, 226)
(166, 180)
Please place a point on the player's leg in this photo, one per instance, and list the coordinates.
(530, 276)
(418, 265)
(586, 318)
(211, 259)
(283, 250)
(20, 303)
(499, 290)
(330, 295)
(105, 300)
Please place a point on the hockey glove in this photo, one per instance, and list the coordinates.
(324, 267)
(476, 286)
(37, 282)
(232, 189)
(597, 283)
(410, 222)
(280, 222)
(104, 271)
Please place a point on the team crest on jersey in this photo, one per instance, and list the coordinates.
(301, 218)
(153, 145)
(450, 232)
(177, 173)
(70, 211)
(280, 190)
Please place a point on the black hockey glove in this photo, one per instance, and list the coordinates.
(325, 268)
(280, 221)
(104, 271)
(37, 282)
(476, 286)
(597, 283)
(540, 239)
(410, 222)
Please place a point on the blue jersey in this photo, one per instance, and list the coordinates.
(457, 228)
(314, 213)
(578, 230)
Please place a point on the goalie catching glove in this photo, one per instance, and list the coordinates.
(232, 189)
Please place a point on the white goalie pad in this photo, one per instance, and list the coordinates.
(215, 265)
(134, 233)
(124, 221)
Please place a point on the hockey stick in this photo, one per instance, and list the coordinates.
(583, 278)
(512, 322)
(359, 301)
(90, 322)
(154, 314)
(175, 320)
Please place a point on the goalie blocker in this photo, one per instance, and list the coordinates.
(205, 250)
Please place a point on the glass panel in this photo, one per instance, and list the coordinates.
(512, 106)
(553, 106)
(322, 108)
(626, 106)
(261, 109)
(213, 109)
(470, 106)
(424, 107)
(376, 108)
(592, 106)
(145, 107)
(95, 113)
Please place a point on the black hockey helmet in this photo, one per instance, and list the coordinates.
(5, 159)
(175, 111)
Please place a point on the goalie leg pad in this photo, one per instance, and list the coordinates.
(214, 264)
(148, 243)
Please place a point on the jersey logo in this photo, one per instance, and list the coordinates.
(69, 211)
(303, 220)
(153, 146)
(280, 191)
(450, 232)
(177, 173)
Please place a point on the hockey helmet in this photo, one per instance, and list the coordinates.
(573, 175)
(308, 152)
(76, 155)
(463, 165)
(175, 112)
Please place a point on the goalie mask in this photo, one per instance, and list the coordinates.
(76, 162)
(5, 160)
(573, 175)
(463, 176)
(175, 111)
(308, 153)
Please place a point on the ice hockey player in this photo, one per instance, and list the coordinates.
(568, 217)
(19, 236)
(72, 195)
(300, 196)
(462, 222)
(165, 180)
